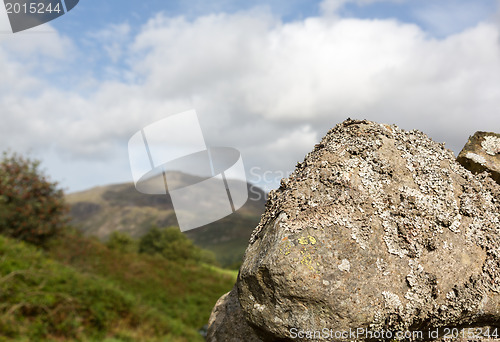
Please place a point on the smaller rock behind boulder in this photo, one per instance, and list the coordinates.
(482, 153)
(227, 323)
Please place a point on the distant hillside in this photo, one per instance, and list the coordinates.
(120, 207)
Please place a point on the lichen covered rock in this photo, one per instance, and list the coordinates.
(482, 153)
(378, 229)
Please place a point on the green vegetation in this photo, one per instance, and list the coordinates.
(173, 245)
(82, 290)
(122, 242)
(31, 207)
(65, 287)
(181, 293)
(42, 298)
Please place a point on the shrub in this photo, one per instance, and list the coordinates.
(168, 242)
(122, 242)
(31, 207)
(173, 245)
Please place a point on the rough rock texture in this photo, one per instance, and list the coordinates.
(378, 228)
(227, 322)
(482, 153)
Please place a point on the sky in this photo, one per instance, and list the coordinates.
(268, 78)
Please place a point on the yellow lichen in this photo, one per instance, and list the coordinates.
(303, 240)
(285, 247)
(307, 239)
(308, 261)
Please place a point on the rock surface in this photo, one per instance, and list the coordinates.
(482, 153)
(227, 322)
(378, 229)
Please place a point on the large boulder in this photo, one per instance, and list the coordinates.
(378, 230)
(482, 153)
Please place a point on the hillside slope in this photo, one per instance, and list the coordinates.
(81, 290)
(120, 207)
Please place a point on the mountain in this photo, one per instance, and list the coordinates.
(120, 207)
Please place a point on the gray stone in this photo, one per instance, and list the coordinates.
(482, 153)
(378, 229)
(227, 323)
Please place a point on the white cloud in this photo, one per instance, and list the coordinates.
(31, 45)
(270, 89)
(319, 71)
(331, 7)
(112, 40)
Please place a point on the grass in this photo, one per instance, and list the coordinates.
(79, 289)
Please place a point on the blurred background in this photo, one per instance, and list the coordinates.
(83, 255)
